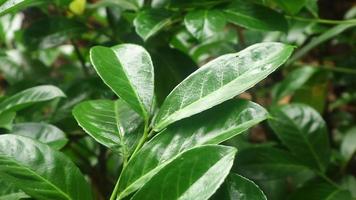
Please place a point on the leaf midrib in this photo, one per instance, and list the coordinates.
(36, 175)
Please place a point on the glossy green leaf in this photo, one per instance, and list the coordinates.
(327, 35)
(150, 22)
(112, 123)
(194, 174)
(8, 192)
(30, 96)
(204, 24)
(14, 5)
(254, 16)
(39, 171)
(237, 187)
(42, 132)
(295, 80)
(267, 163)
(127, 69)
(195, 3)
(6, 120)
(303, 131)
(348, 145)
(221, 79)
(291, 6)
(321, 191)
(210, 127)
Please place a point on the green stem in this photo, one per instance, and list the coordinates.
(327, 179)
(114, 193)
(339, 69)
(322, 21)
(80, 58)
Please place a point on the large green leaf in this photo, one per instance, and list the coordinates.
(112, 123)
(150, 22)
(315, 190)
(203, 24)
(14, 5)
(348, 145)
(195, 174)
(28, 97)
(253, 16)
(267, 163)
(39, 171)
(295, 80)
(237, 187)
(220, 80)
(42, 132)
(303, 131)
(8, 192)
(127, 69)
(210, 127)
(291, 6)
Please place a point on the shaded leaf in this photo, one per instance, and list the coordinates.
(220, 80)
(127, 69)
(15, 5)
(303, 131)
(291, 6)
(229, 119)
(194, 174)
(348, 145)
(34, 168)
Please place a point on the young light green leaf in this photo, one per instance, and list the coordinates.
(348, 145)
(291, 6)
(254, 16)
(34, 168)
(220, 80)
(112, 123)
(203, 24)
(14, 5)
(267, 163)
(45, 133)
(150, 22)
(210, 127)
(303, 131)
(128, 70)
(295, 80)
(30, 96)
(195, 174)
(237, 187)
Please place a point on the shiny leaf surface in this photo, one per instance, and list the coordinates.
(303, 131)
(127, 69)
(35, 168)
(220, 80)
(42, 132)
(203, 24)
(254, 16)
(14, 5)
(30, 96)
(150, 22)
(112, 123)
(229, 119)
(195, 174)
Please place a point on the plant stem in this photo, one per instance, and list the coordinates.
(322, 21)
(327, 179)
(141, 142)
(114, 192)
(80, 57)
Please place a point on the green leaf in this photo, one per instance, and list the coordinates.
(203, 24)
(128, 70)
(237, 187)
(327, 35)
(295, 80)
(254, 16)
(112, 123)
(150, 22)
(267, 163)
(291, 6)
(321, 191)
(348, 145)
(303, 131)
(195, 174)
(15, 5)
(30, 96)
(195, 3)
(6, 120)
(39, 171)
(229, 119)
(220, 80)
(8, 192)
(42, 132)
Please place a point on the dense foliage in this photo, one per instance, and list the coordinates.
(177, 99)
